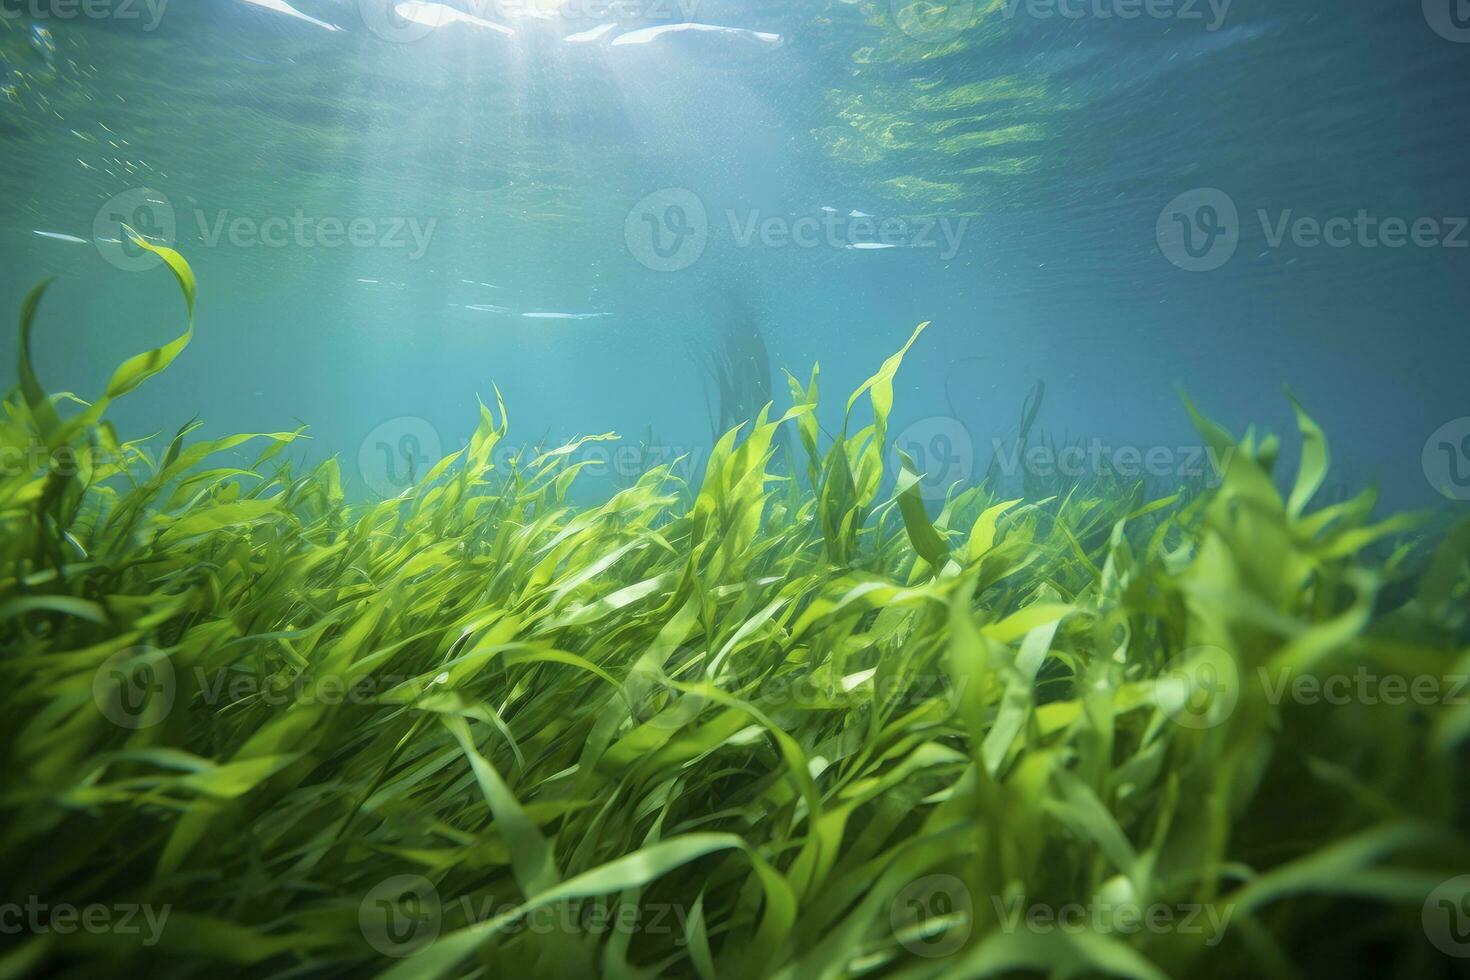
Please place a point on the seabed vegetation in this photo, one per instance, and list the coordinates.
(784, 721)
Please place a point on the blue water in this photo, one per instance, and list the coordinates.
(576, 208)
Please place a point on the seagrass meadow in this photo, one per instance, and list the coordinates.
(784, 722)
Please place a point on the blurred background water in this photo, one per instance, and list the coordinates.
(393, 206)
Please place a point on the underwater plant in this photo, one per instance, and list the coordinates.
(762, 726)
(736, 363)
